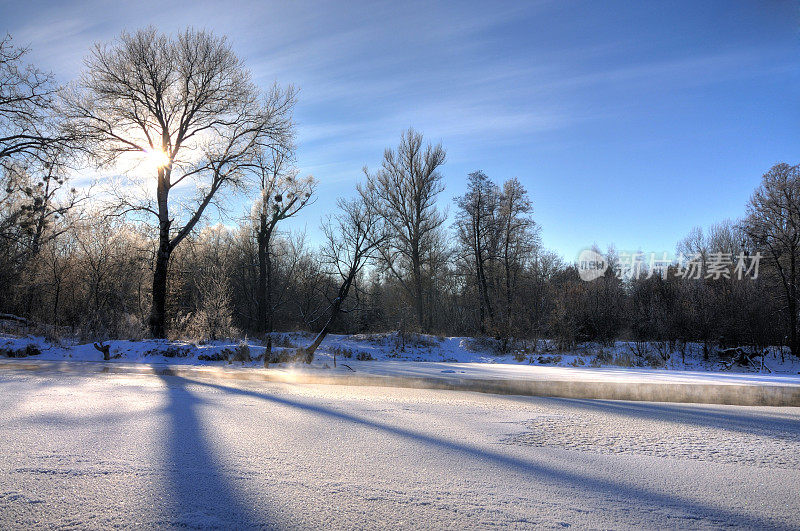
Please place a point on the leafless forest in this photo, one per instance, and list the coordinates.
(175, 136)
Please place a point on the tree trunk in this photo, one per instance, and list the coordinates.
(418, 302)
(261, 295)
(792, 307)
(265, 310)
(270, 320)
(322, 333)
(335, 307)
(483, 287)
(509, 304)
(158, 310)
(481, 306)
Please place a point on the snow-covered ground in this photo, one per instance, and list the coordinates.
(415, 348)
(439, 363)
(148, 451)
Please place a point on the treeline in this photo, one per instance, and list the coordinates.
(180, 124)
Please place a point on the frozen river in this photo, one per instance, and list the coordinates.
(103, 450)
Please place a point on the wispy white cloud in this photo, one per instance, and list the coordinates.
(480, 77)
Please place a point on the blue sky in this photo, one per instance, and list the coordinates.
(628, 122)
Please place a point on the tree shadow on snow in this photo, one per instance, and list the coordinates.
(676, 506)
(199, 492)
(742, 420)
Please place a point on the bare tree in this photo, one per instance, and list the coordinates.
(773, 224)
(185, 107)
(40, 197)
(34, 149)
(27, 97)
(404, 192)
(477, 228)
(283, 195)
(352, 238)
(519, 239)
(210, 260)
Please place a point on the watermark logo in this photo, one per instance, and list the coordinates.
(591, 265)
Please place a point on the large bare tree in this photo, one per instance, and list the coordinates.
(773, 224)
(404, 192)
(182, 112)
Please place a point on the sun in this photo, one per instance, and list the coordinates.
(155, 158)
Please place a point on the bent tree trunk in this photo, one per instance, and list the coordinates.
(322, 333)
(336, 307)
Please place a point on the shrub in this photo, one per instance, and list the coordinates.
(29, 350)
(364, 356)
(544, 360)
(241, 352)
(286, 355)
(344, 352)
(483, 344)
(623, 360)
(282, 340)
(217, 356)
(640, 349)
(602, 358)
(206, 324)
(131, 327)
(172, 351)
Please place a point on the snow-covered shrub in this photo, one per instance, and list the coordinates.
(286, 355)
(623, 360)
(207, 324)
(282, 340)
(211, 292)
(377, 338)
(171, 351)
(483, 344)
(216, 356)
(639, 349)
(602, 357)
(342, 351)
(29, 350)
(416, 340)
(241, 352)
(131, 327)
(404, 339)
(545, 360)
(655, 361)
